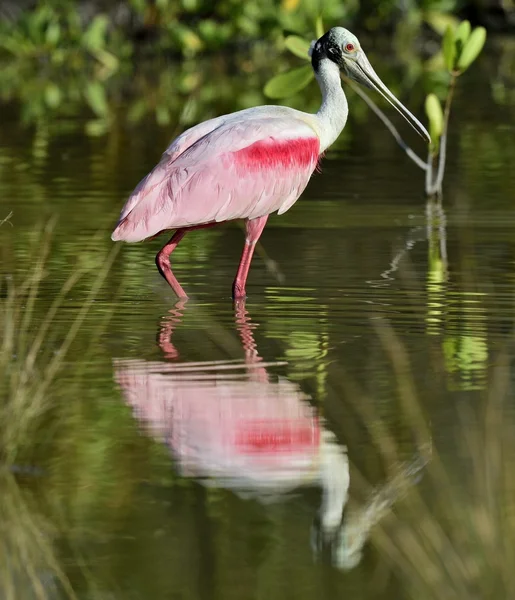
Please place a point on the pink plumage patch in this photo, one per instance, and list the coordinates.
(298, 153)
(255, 436)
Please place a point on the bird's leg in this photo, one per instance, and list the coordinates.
(163, 262)
(163, 257)
(254, 228)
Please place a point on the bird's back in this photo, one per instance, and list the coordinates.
(244, 165)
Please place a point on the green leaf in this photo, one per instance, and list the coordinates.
(95, 35)
(53, 33)
(289, 83)
(110, 61)
(53, 95)
(472, 48)
(440, 21)
(462, 35)
(96, 98)
(449, 48)
(298, 46)
(189, 40)
(190, 5)
(319, 27)
(435, 115)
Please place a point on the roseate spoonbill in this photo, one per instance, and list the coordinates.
(248, 164)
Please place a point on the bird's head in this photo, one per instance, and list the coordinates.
(342, 48)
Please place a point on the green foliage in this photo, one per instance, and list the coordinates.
(293, 81)
(440, 21)
(194, 26)
(462, 35)
(449, 48)
(435, 115)
(54, 33)
(297, 46)
(472, 48)
(461, 47)
(289, 83)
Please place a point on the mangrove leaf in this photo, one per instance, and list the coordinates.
(287, 84)
(435, 115)
(449, 48)
(462, 35)
(298, 46)
(472, 48)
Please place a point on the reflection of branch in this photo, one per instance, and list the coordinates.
(394, 263)
(391, 127)
(436, 214)
(356, 529)
(6, 220)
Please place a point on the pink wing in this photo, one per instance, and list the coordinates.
(176, 148)
(236, 170)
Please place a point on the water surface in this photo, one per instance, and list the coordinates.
(206, 450)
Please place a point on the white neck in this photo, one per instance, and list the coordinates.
(332, 115)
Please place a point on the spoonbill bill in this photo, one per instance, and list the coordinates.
(248, 164)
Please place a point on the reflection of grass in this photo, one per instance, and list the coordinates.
(31, 361)
(28, 367)
(29, 566)
(463, 546)
(458, 541)
(453, 536)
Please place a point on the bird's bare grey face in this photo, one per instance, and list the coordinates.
(341, 47)
(338, 45)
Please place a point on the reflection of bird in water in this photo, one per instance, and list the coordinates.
(230, 424)
(249, 164)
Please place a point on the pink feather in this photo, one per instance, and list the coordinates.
(221, 170)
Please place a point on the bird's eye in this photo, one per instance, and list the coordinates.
(349, 47)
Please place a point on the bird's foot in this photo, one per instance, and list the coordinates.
(238, 291)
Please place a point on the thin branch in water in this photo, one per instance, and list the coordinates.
(391, 127)
(429, 173)
(443, 139)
